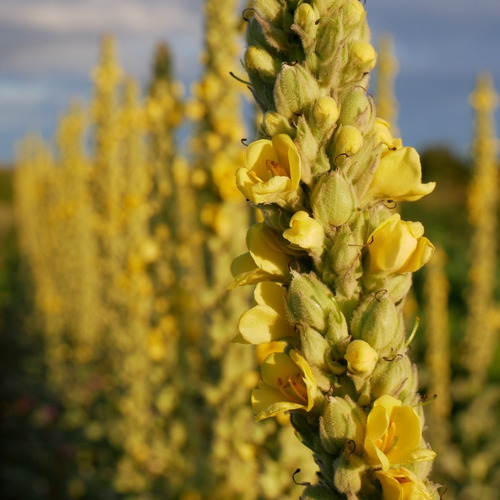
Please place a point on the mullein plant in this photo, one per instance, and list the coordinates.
(478, 350)
(231, 442)
(331, 262)
(164, 111)
(470, 467)
(37, 223)
(178, 277)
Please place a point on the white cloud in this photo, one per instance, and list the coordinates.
(96, 16)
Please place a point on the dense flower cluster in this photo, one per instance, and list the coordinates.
(331, 261)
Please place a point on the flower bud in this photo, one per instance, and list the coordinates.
(295, 90)
(348, 474)
(305, 18)
(361, 358)
(260, 61)
(326, 111)
(389, 377)
(348, 140)
(344, 251)
(269, 9)
(328, 36)
(306, 233)
(332, 200)
(275, 124)
(314, 347)
(364, 55)
(342, 421)
(275, 217)
(354, 12)
(408, 393)
(310, 301)
(355, 104)
(376, 321)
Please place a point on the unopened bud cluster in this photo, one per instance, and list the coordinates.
(331, 261)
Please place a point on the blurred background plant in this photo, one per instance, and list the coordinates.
(117, 381)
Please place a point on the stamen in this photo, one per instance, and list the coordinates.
(297, 389)
(254, 176)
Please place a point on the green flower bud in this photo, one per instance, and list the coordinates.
(268, 9)
(397, 285)
(310, 301)
(264, 28)
(329, 34)
(261, 62)
(308, 146)
(337, 332)
(354, 105)
(361, 358)
(349, 473)
(345, 250)
(390, 376)
(314, 347)
(376, 321)
(294, 91)
(342, 421)
(275, 217)
(275, 124)
(348, 140)
(408, 393)
(332, 201)
(328, 50)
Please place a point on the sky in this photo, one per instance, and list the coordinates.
(48, 47)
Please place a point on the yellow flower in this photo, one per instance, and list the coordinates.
(287, 384)
(266, 322)
(393, 435)
(402, 484)
(361, 357)
(306, 233)
(399, 174)
(265, 261)
(272, 171)
(398, 246)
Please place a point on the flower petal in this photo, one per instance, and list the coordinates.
(271, 294)
(262, 324)
(268, 402)
(399, 177)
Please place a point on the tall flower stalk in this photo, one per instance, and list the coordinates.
(483, 196)
(230, 440)
(331, 261)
